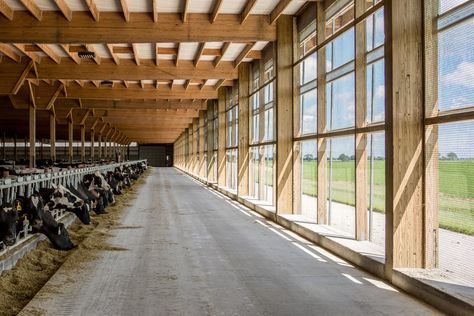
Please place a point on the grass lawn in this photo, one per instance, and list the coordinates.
(456, 182)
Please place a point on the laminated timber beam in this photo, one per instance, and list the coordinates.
(112, 28)
(129, 70)
(139, 104)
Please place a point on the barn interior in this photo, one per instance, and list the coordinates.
(341, 127)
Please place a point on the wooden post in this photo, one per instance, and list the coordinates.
(25, 152)
(284, 93)
(404, 242)
(15, 148)
(92, 145)
(210, 141)
(322, 217)
(243, 149)
(32, 129)
(52, 135)
(83, 143)
(99, 140)
(202, 162)
(71, 139)
(195, 146)
(221, 95)
(361, 223)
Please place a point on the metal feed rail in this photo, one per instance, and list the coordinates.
(25, 186)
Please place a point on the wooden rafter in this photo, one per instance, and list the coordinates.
(225, 47)
(110, 47)
(65, 9)
(73, 56)
(141, 29)
(155, 11)
(22, 77)
(6, 10)
(126, 13)
(246, 12)
(33, 8)
(186, 84)
(9, 52)
(142, 84)
(184, 16)
(243, 54)
(278, 10)
(31, 55)
(136, 55)
(91, 48)
(50, 104)
(50, 53)
(93, 9)
(203, 84)
(215, 10)
(199, 53)
(219, 84)
(157, 61)
(178, 54)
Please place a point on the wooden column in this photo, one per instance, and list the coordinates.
(14, 148)
(243, 149)
(202, 162)
(92, 145)
(404, 242)
(71, 139)
(52, 135)
(431, 220)
(210, 141)
(362, 222)
(284, 99)
(83, 143)
(99, 140)
(195, 146)
(32, 130)
(221, 95)
(322, 217)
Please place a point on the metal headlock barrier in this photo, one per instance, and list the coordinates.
(27, 185)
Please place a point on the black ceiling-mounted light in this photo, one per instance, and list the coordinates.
(86, 55)
(107, 83)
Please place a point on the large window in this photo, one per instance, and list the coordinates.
(232, 125)
(327, 131)
(449, 134)
(262, 136)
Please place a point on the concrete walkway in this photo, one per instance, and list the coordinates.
(193, 252)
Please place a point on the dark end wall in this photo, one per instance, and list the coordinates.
(158, 155)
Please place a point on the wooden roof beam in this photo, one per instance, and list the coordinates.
(72, 55)
(136, 54)
(215, 10)
(33, 8)
(110, 47)
(243, 54)
(185, 11)
(65, 9)
(9, 52)
(50, 53)
(246, 12)
(22, 77)
(6, 10)
(91, 48)
(142, 29)
(126, 13)
(155, 10)
(157, 61)
(31, 55)
(278, 10)
(177, 54)
(92, 9)
(199, 53)
(225, 47)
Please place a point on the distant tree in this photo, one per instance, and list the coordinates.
(308, 157)
(353, 157)
(343, 157)
(452, 156)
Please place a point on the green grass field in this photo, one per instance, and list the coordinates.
(456, 183)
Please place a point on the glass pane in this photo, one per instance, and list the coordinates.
(268, 125)
(375, 22)
(268, 165)
(308, 69)
(309, 179)
(341, 184)
(254, 172)
(376, 187)
(456, 67)
(340, 19)
(341, 103)
(456, 198)
(446, 5)
(308, 103)
(376, 92)
(340, 51)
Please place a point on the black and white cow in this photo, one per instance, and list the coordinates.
(60, 197)
(8, 222)
(42, 221)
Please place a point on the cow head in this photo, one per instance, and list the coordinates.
(8, 222)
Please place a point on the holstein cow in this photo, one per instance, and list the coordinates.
(103, 185)
(90, 187)
(60, 197)
(42, 221)
(8, 221)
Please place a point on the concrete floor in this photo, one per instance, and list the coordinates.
(193, 252)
